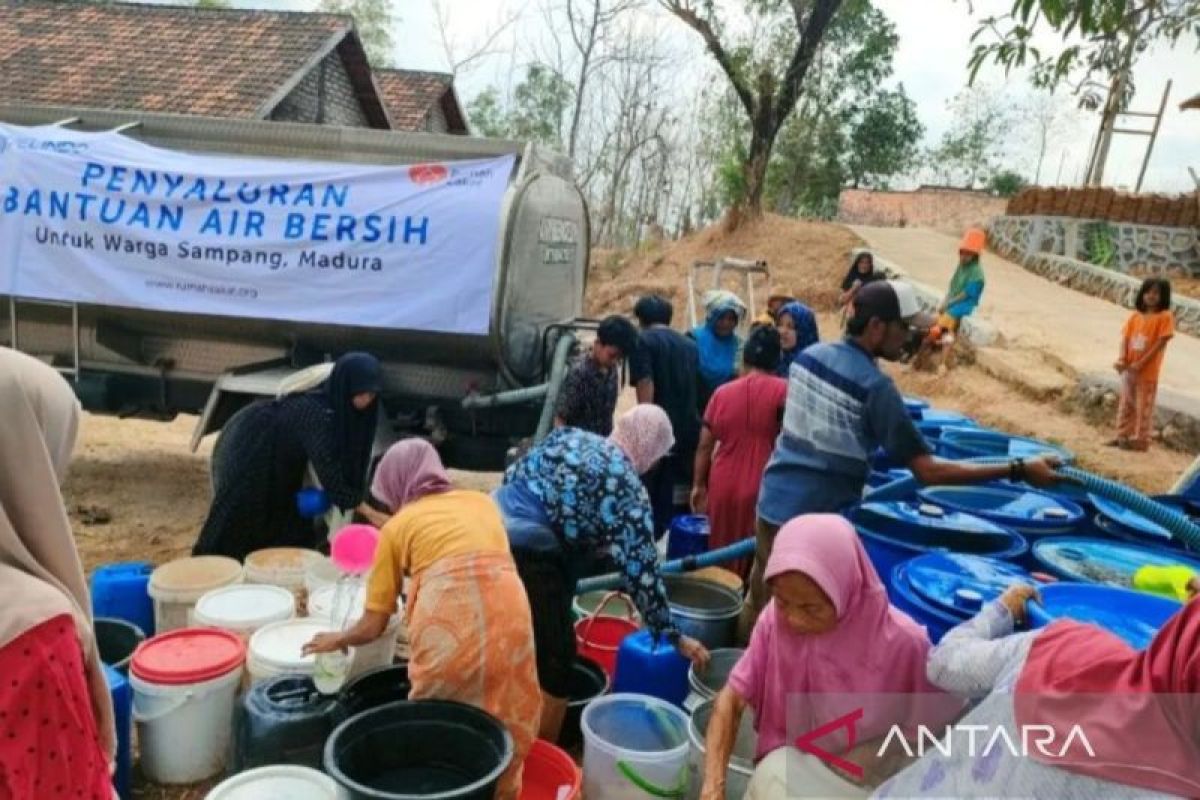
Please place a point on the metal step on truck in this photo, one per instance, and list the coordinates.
(171, 264)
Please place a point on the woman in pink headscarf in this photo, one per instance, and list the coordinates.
(829, 652)
(469, 625)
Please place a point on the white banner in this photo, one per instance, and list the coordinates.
(102, 218)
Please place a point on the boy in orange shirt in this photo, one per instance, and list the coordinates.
(1143, 343)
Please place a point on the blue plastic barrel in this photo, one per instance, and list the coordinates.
(1122, 523)
(915, 406)
(880, 478)
(893, 532)
(122, 700)
(687, 536)
(1104, 561)
(941, 418)
(973, 443)
(941, 590)
(645, 666)
(1134, 616)
(119, 591)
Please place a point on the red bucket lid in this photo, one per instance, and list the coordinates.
(188, 655)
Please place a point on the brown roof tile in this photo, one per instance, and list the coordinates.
(216, 62)
(410, 95)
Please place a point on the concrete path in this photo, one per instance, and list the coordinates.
(1031, 312)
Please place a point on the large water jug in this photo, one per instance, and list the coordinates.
(122, 700)
(654, 668)
(120, 591)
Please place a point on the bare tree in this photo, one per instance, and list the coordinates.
(464, 58)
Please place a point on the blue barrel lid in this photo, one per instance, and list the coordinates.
(898, 517)
(1135, 522)
(1134, 616)
(1011, 505)
(696, 524)
(1103, 561)
(961, 583)
(998, 443)
(943, 417)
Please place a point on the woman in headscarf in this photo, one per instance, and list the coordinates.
(264, 451)
(718, 341)
(573, 499)
(1067, 682)
(57, 736)
(826, 646)
(797, 326)
(862, 271)
(469, 628)
(741, 425)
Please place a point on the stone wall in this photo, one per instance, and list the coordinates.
(325, 96)
(1012, 238)
(947, 210)
(1152, 249)
(1176, 420)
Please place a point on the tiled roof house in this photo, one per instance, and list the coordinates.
(292, 66)
(421, 101)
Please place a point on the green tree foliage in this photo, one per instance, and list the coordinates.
(487, 115)
(212, 3)
(373, 19)
(1007, 183)
(885, 139)
(539, 106)
(973, 147)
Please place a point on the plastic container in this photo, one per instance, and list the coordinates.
(419, 749)
(550, 774)
(687, 536)
(741, 761)
(244, 608)
(960, 442)
(1134, 616)
(117, 640)
(284, 567)
(706, 685)
(373, 689)
(704, 610)
(122, 700)
(352, 549)
(312, 502)
(1123, 523)
(588, 681)
(721, 576)
(282, 720)
(939, 418)
(282, 781)
(893, 532)
(1027, 511)
(941, 590)
(177, 585)
(1102, 561)
(645, 666)
(379, 653)
(121, 591)
(319, 573)
(587, 603)
(598, 636)
(275, 649)
(634, 746)
(184, 686)
(915, 406)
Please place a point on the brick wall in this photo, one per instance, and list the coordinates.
(1173, 211)
(339, 106)
(948, 210)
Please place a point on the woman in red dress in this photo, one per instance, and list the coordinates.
(741, 424)
(56, 724)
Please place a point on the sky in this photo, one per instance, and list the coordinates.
(931, 62)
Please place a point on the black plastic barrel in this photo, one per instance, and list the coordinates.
(283, 720)
(373, 689)
(588, 681)
(116, 640)
(419, 750)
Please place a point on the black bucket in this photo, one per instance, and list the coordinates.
(419, 750)
(372, 690)
(116, 640)
(588, 681)
(282, 720)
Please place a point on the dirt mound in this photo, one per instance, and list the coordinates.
(807, 258)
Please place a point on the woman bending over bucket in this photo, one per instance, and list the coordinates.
(573, 498)
(826, 648)
(1114, 722)
(469, 626)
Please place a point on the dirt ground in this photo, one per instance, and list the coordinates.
(135, 491)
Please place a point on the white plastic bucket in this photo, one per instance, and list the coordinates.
(379, 653)
(320, 572)
(280, 782)
(177, 585)
(275, 649)
(184, 688)
(652, 757)
(244, 608)
(284, 567)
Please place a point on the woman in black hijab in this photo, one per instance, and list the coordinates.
(263, 452)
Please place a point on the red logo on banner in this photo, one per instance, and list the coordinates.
(805, 742)
(428, 173)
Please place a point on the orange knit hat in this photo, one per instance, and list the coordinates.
(973, 241)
